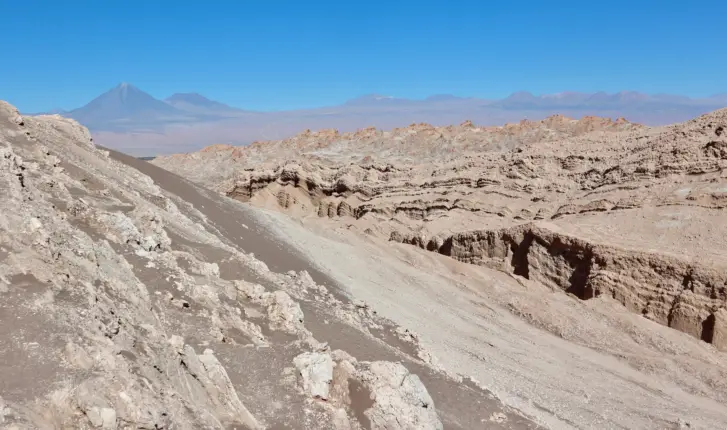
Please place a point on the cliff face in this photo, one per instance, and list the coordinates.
(676, 292)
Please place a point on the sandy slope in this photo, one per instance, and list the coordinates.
(577, 272)
(252, 231)
(135, 301)
(571, 364)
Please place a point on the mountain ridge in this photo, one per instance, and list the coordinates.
(124, 102)
(129, 119)
(566, 98)
(197, 103)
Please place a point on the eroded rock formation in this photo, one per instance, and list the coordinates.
(591, 207)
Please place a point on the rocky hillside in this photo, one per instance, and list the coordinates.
(137, 303)
(590, 207)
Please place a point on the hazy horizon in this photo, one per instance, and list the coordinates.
(391, 97)
(128, 119)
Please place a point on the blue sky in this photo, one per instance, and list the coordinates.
(274, 54)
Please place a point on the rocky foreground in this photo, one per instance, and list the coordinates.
(132, 299)
(606, 235)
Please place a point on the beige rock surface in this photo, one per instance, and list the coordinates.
(132, 299)
(574, 268)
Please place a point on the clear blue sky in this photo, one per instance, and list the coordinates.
(273, 54)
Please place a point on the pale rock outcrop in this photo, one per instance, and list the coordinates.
(316, 372)
(209, 376)
(104, 418)
(401, 402)
(284, 313)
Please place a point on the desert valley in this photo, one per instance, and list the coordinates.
(326, 215)
(559, 273)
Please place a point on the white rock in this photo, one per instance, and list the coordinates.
(253, 292)
(177, 342)
(284, 313)
(208, 269)
(121, 228)
(104, 418)
(401, 401)
(316, 370)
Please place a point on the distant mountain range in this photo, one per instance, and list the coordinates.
(129, 119)
(198, 104)
(627, 100)
(126, 106)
